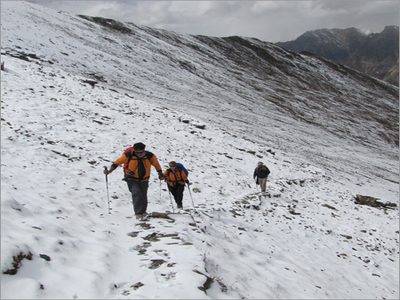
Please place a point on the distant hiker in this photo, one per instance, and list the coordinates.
(137, 174)
(176, 179)
(261, 174)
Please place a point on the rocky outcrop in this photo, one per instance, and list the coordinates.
(373, 202)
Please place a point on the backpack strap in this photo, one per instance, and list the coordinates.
(129, 155)
(132, 155)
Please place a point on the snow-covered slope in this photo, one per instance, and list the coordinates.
(253, 88)
(304, 239)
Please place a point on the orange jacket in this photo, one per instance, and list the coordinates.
(177, 178)
(133, 172)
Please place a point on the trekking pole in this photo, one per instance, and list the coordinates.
(190, 193)
(194, 208)
(108, 195)
(170, 198)
(160, 193)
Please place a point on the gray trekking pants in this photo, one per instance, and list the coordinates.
(139, 195)
(263, 183)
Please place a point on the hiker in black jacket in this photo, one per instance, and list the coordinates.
(261, 174)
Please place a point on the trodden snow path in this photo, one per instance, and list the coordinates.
(157, 245)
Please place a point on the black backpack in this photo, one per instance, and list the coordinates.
(263, 171)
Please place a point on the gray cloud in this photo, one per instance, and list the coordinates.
(267, 20)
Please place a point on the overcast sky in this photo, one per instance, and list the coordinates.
(271, 21)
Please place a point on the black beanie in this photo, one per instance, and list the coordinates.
(139, 146)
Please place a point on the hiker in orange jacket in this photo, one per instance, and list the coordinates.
(176, 179)
(137, 174)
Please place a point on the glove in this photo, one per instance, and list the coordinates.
(187, 181)
(161, 176)
(106, 172)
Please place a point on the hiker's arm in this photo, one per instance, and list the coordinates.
(112, 168)
(184, 177)
(156, 164)
(115, 164)
(161, 176)
(165, 175)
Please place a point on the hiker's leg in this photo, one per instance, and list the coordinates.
(139, 195)
(179, 197)
(259, 181)
(263, 184)
(172, 189)
(132, 189)
(144, 188)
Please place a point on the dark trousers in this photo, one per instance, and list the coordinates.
(177, 192)
(139, 195)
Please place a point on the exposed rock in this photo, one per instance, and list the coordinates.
(137, 285)
(199, 126)
(17, 259)
(207, 283)
(45, 257)
(160, 215)
(373, 202)
(328, 206)
(156, 263)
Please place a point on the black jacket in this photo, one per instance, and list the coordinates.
(261, 172)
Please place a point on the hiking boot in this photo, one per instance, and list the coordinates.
(144, 217)
(179, 206)
(138, 217)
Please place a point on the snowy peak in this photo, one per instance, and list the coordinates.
(375, 54)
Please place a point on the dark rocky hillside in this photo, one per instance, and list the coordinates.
(375, 54)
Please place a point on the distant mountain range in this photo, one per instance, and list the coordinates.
(375, 54)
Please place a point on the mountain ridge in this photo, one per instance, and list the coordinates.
(376, 54)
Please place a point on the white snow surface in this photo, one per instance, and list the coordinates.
(303, 239)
